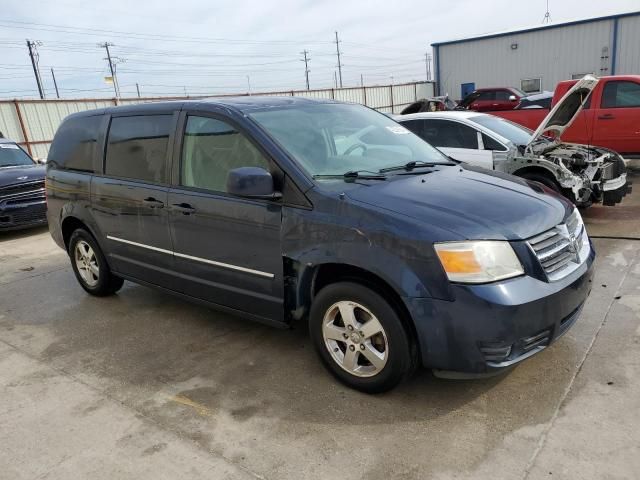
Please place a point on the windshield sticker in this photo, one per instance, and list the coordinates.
(398, 130)
(12, 146)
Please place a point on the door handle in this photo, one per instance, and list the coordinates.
(183, 208)
(606, 116)
(152, 203)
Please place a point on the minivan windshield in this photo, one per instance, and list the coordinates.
(11, 155)
(333, 139)
(517, 134)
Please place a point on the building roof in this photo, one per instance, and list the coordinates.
(535, 28)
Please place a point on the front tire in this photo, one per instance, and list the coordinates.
(360, 337)
(90, 265)
(546, 180)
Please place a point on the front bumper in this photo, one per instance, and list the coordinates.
(31, 214)
(613, 191)
(489, 328)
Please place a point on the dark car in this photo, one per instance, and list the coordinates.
(285, 210)
(22, 195)
(491, 99)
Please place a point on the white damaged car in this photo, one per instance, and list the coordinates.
(583, 173)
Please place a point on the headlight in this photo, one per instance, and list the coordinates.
(478, 261)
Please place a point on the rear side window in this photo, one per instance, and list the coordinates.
(416, 126)
(211, 148)
(75, 143)
(137, 147)
(443, 133)
(620, 94)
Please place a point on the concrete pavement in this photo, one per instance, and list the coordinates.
(143, 385)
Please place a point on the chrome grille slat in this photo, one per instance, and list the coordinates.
(550, 241)
(556, 250)
(553, 252)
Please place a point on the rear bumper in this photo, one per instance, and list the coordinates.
(489, 328)
(32, 214)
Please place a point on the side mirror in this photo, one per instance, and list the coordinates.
(513, 98)
(251, 182)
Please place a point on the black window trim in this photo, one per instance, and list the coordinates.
(170, 141)
(609, 82)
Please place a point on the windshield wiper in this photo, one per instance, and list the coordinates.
(414, 164)
(363, 175)
(353, 175)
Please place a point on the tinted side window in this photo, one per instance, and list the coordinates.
(137, 147)
(503, 95)
(211, 148)
(621, 94)
(443, 133)
(487, 95)
(75, 143)
(415, 126)
(491, 144)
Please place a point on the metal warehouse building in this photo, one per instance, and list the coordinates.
(536, 59)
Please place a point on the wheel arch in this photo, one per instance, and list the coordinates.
(312, 278)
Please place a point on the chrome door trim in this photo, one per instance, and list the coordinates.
(196, 259)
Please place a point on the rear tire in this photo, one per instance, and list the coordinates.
(90, 265)
(360, 338)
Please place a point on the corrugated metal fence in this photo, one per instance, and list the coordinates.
(32, 123)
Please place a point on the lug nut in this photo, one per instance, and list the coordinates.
(350, 327)
(345, 336)
(362, 346)
(352, 348)
(361, 334)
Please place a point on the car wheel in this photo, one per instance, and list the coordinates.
(90, 266)
(360, 337)
(546, 180)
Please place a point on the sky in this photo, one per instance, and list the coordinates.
(201, 47)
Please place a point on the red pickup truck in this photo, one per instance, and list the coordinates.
(610, 116)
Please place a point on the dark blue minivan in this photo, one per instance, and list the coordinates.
(285, 210)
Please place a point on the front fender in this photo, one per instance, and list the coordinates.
(389, 248)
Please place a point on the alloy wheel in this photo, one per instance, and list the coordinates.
(355, 339)
(87, 263)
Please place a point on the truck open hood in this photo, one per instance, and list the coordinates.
(566, 110)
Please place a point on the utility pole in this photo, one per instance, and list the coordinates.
(116, 88)
(55, 84)
(138, 89)
(306, 66)
(547, 15)
(339, 63)
(335, 79)
(33, 53)
(427, 64)
(361, 80)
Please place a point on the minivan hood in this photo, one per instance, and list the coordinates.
(16, 175)
(566, 110)
(471, 203)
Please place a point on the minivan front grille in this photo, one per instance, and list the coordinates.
(563, 248)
